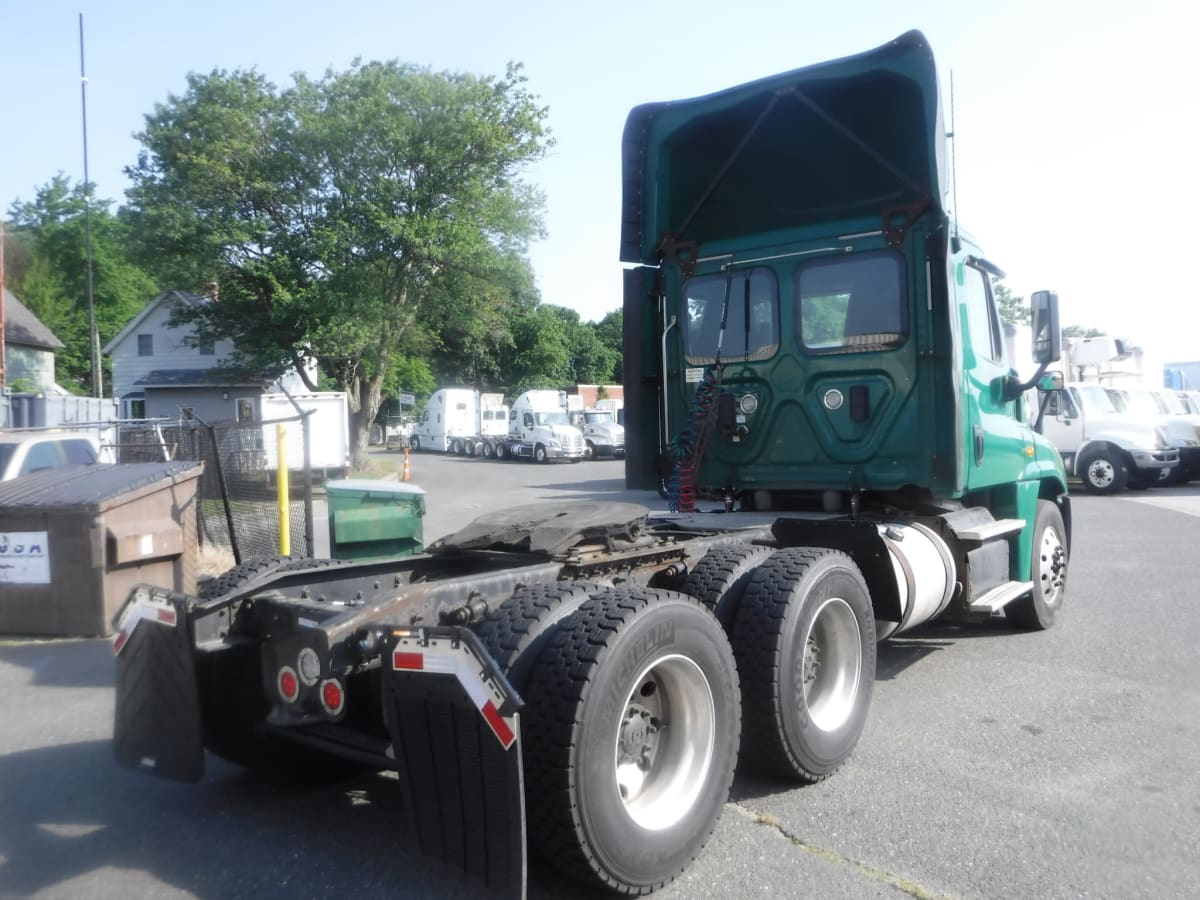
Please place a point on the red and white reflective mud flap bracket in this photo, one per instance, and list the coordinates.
(142, 606)
(455, 726)
(157, 723)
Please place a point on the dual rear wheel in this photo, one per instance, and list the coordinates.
(634, 710)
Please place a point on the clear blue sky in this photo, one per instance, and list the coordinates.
(1077, 120)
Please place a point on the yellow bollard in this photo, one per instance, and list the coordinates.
(282, 482)
(406, 474)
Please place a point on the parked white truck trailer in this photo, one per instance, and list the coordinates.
(328, 431)
(461, 421)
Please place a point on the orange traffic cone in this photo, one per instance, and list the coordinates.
(406, 474)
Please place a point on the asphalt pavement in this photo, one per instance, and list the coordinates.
(995, 764)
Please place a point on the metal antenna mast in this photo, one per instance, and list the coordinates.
(94, 335)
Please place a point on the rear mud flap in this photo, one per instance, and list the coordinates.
(455, 729)
(157, 724)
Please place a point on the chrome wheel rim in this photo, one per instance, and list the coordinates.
(1101, 473)
(831, 665)
(664, 744)
(1051, 566)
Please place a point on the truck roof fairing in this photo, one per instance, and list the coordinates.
(836, 141)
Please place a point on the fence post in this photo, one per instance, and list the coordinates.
(283, 484)
(233, 541)
(309, 544)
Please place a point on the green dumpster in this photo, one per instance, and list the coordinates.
(370, 519)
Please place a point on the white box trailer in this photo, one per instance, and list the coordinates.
(328, 431)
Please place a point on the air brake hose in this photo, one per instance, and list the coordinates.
(687, 449)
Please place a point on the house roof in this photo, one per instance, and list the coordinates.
(21, 327)
(166, 297)
(193, 378)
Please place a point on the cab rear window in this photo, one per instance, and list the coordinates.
(731, 317)
(852, 304)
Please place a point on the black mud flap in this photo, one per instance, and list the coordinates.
(157, 726)
(455, 727)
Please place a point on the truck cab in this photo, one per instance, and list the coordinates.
(809, 329)
(539, 427)
(1169, 413)
(451, 416)
(1107, 448)
(601, 433)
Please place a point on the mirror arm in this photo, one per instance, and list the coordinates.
(1014, 388)
(1043, 402)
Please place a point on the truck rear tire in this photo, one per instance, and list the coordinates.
(631, 728)
(414, 443)
(239, 575)
(515, 631)
(1102, 471)
(501, 450)
(489, 450)
(805, 644)
(1049, 575)
(719, 579)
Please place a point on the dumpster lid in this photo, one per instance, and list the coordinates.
(371, 485)
(92, 485)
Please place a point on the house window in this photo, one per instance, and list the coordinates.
(207, 348)
(245, 409)
(145, 345)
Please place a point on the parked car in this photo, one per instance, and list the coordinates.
(24, 452)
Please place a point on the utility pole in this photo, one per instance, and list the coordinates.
(3, 379)
(94, 335)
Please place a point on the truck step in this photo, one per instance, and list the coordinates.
(987, 531)
(1001, 595)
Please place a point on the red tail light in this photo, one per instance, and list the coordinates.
(333, 698)
(288, 684)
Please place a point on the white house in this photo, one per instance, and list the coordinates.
(158, 373)
(150, 353)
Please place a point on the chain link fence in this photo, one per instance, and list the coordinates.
(238, 501)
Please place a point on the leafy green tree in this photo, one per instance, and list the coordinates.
(611, 333)
(48, 272)
(1081, 331)
(589, 360)
(1012, 309)
(338, 212)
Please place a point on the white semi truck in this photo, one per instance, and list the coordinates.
(466, 422)
(539, 428)
(602, 434)
(1107, 449)
(460, 420)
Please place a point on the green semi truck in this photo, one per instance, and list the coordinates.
(815, 378)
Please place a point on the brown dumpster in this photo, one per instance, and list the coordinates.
(74, 540)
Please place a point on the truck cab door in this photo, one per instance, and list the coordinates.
(1062, 424)
(996, 436)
